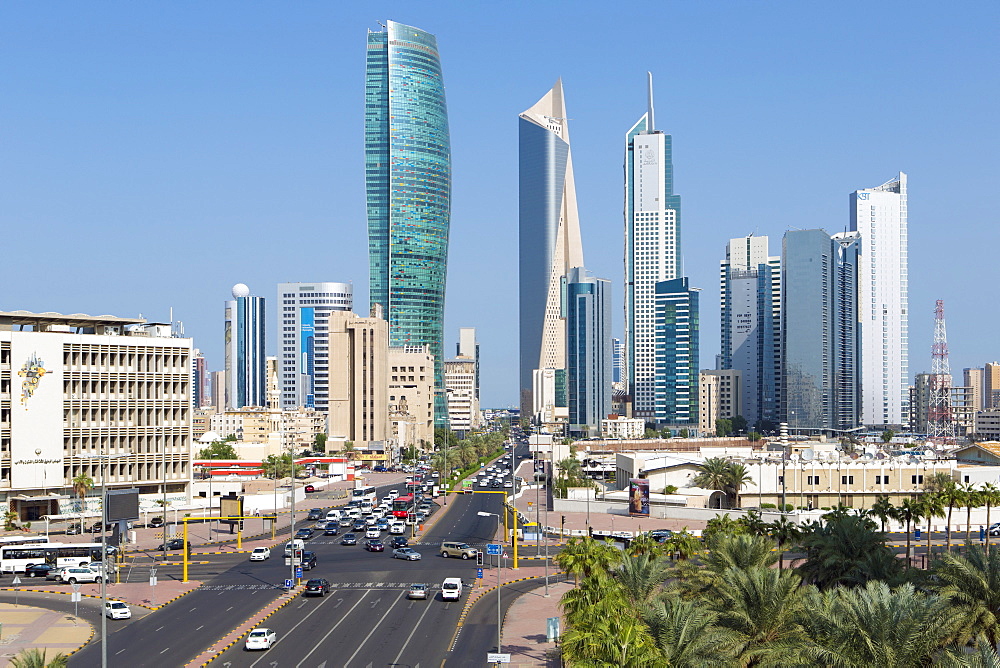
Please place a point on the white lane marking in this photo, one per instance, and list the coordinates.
(370, 633)
(410, 637)
(334, 628)
(295, 627)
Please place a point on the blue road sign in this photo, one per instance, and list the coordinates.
(494, 549)
(298, 572)
(479, 573)
(288, 584)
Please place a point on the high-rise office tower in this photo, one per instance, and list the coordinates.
(652, 249)
(304, 355)
(879, 216)
(973, 379)
(617, 362)
(468, 348)
(991, 385)
(819, 330)
(588, 351)
(675, 352)
(408, 185)
(548, 236)
(751, 316)
(199, 379)
(246, 372)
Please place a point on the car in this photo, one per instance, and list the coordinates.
(360, 525)
(317, 587)
(346, 521)
(172, 544)
(374, 545)
(261, 638)
(308, 561)
(260, 554)
(155, 523)
(72, 530)
(397, 528)
(407, 553)
(373, 532)
(117, 610)
(349, 539)
(398, 541)
(74, 574)
(417, 591)
(315, 514)
(660, 535)
(382, 524)
(994, 529)
(331, 530)
(508, 484)
(370, 520)
(451, 548)
(305, 533)
(393, 494)
(310, 489)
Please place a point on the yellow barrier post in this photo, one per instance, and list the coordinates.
(184, 549)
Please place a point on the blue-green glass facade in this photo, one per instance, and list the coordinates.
(408, 189)
(676, 351)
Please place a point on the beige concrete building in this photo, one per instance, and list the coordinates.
(973, 378)
(719, 396)
(623, 428)
(411, 392)
(358, 375)
(987, 424)
(460, 386)
(991, 385)
(273, 388)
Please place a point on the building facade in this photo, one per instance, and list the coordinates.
(408, 185)
(751, 324)
(991, 385)
(652, 251)
(468, 348)
(304, 311)
(588, 351)
(98, 396)
(460, 384)
(973, 379)
(358, 402)
(879, 215)
(200, 386)
(676, 353)
(246, 371)
(719, 397)
(411, 393)
(819, 331)
(548, 236)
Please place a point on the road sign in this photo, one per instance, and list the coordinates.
(494, 549)
(75, 597)
(152, 580)
(288, 584)
(479, 573)
(298, 572)
(16, 580)
(505, 556)
(493, 657)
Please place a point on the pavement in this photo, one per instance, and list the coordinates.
(24, 627)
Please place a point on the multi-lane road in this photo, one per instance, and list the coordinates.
(365, 621)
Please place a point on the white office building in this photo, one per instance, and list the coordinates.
(879, 215)
(303, 357)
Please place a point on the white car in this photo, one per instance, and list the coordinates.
(117, 610)
(260, 554)
(508, 484)
(394, 493)
(373, 532)
(397, 528)
(387, 501)
(261, 639)
(74, 574)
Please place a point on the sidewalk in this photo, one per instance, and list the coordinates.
(25, 626)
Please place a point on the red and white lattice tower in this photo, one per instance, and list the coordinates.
(940, 425)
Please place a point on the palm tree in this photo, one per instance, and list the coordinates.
(908, 512)
(682, 544)
(973, 499)
(736, 477)
(722, 524)
(741, 551)
(35, 658)
(784, 532)
(644, 544)
(878, 626)
(713, 473)
(932, 505)
(687, 634)
(754, 524)
(588, 558)
(985, 656)
(990, 495)
(847, 551)
(951, 495)
(616, 640)
(82, 484)
(882, 509)
(641, 578)
(973, 583)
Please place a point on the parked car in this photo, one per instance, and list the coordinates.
(310, 488)
(172, 544)
(417, 591)
(260, 554)
(349, 539)
(315, 514)
(260, 639)
(317, 587)
(73, 529)
(117, 610)
(305, 533)
(407, 553)
(38, 570)
(374, 545)
(155, 523)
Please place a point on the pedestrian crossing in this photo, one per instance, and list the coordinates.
(334, 585)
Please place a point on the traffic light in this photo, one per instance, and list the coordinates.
(479, 558)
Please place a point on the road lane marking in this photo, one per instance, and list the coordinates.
(334, 628)
(289, 632)
(374, 628)
(410, 637)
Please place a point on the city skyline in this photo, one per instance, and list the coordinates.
(128, 121)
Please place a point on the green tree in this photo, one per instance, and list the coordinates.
(641, 577)
(883, 509)
(753, 436)
(950, 495)
(753, 523)
(722, 524)
(887, 436)
(320, 442)
(736, 477)
(739, 424)
(687, 634)
(684, 432)
(35, 658)
(784, 533)
(909, 512)
(990, 495)
(280, 466)
(588, 558)
(723, 427)
(682, 544)
(670, 489)
(932, 505)
(739, 551)
(847, 550)
(973, 499)
(219, 450)
(82, 484)
(972, 581)
(713, 473)
(616, 640)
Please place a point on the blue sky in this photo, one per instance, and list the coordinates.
(154, 154)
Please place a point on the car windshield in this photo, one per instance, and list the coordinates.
(314, 583)
(258, 634)
(418, 587)
(449, 585)
(117, 606)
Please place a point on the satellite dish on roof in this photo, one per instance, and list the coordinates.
(869, 456)
(854, 455)
(879, 455)
(794, 457)
(928, 453)
(808, 455)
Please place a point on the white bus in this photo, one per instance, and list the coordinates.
(366, 493)
(23, 540)
(16, 558)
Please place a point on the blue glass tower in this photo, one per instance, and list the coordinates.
(676, 353)
(408, 189)
(588, 351)
(246, 363)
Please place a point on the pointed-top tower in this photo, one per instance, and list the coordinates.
(549, 236)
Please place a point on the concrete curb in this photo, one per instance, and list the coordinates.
(96, 596)
(90, 638)
(253, 621)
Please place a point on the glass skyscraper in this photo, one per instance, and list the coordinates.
(408, 189)
(246, 370)
(677, 328)
(588, 351)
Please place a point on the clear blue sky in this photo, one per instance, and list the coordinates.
(156, 153)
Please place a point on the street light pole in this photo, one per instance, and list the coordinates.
(104, 568)
(483, 513)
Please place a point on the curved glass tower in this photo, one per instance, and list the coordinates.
(408, 185)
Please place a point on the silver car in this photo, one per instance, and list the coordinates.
(407, 553)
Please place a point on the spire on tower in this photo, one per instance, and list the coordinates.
(650, 123)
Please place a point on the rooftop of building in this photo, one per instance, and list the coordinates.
(42, 322)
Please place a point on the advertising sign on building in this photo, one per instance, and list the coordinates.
(638, 497)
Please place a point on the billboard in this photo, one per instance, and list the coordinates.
(121, 504)
(231, 506)
(638, 497)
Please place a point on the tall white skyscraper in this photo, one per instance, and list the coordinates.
(303, 326)
(246, 373)
(879, 215)
(652, 249)
(549, 236)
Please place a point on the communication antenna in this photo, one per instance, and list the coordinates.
(940, 425)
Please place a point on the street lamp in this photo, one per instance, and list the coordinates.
(483, 513)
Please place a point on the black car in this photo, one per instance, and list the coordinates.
(72, 529)
(374, 545)
(349, 539)
(315, 514)
(155, 523)
(398, 541)
(304, 533)
(661, 535)
(172, 544)
(317, 587)
(331, 529)
(37, 570)
(308, 560)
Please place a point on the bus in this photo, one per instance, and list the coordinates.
(402, 506)
(23, 540)
(16, 558)
(366, 493)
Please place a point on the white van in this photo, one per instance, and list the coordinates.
(366, 506)
(354, 513)
(451, 589)
(333, 515)
(294, 544)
